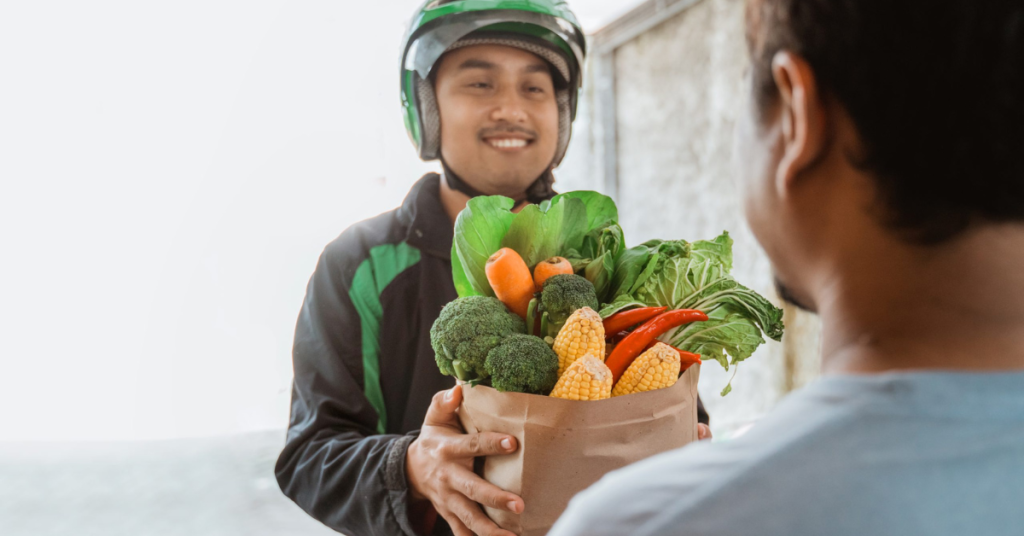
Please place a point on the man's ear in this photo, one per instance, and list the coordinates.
(804, 119)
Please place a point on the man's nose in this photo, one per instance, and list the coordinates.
(509, 107)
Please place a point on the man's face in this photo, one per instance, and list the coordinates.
(499, 117)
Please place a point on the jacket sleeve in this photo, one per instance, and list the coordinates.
(334, 465)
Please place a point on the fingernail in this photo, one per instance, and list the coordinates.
(506, 444)
(448, 395)
(513, 507)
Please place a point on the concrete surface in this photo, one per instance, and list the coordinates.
(678, 91)
(192, 487)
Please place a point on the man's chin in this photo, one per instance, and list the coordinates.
(509, 184)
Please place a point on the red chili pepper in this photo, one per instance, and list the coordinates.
(630, 347)
(627, 319)
(618, 336)
(687, 359)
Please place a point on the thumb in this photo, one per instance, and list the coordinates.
(443, 407)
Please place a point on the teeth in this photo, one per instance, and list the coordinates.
(512, 143)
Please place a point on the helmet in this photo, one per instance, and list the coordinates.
(546, 28)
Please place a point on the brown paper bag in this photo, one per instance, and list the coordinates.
(565, 446)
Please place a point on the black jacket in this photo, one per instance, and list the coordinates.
(364, 369)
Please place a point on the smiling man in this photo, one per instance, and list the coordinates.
(374, 445)
(502, 150)
(881, 154)
(489, 89)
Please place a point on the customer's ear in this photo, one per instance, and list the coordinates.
(803, 116)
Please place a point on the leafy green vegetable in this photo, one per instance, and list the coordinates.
(479, 230)
(537, 235)
(580, 226)
(601, 210)
(602, 247)
(725, 332)
(627, 270)
(696, 276)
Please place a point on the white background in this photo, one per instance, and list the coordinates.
(169, 173)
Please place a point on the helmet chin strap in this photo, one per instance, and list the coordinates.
(539, 191)
(456, 183)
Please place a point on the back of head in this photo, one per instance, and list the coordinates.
(935, 90)
(885, 178)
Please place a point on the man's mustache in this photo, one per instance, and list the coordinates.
(506, 129)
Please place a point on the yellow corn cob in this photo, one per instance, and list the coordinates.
(654, 369)
(587, 379)
(582, 334)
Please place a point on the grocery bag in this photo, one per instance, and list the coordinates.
(566, 445)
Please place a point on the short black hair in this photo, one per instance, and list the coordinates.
(935, 89)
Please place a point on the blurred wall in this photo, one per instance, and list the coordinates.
(655, 131)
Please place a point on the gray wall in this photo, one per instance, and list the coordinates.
(677, 90)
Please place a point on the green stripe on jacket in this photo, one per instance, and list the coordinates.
(375, 273)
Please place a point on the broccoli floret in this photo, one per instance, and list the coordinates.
(466, 330)
(563, 295)
(523, 364)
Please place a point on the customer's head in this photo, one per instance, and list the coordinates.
(880, 120)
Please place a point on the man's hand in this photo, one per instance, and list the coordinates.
(439, 466)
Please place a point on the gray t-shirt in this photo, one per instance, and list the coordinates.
(896, 454)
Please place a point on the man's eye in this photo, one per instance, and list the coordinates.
(536, 90)
(480, 85)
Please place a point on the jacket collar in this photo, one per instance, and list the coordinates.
(430, 229)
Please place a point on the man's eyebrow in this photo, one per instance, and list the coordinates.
(538, 68)
(473, 63)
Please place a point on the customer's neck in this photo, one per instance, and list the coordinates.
(958, 306)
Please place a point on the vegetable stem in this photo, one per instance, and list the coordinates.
(531, 317)
(460, 372)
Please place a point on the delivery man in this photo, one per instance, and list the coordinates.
(489, 88)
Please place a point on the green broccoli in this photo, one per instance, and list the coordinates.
(523, 364)
(562, 296)
(466, 330)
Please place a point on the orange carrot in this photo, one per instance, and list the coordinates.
(511, 281)
(551, 267)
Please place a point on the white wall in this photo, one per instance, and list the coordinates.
(169, 173)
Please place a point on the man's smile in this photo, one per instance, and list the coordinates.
(508, 144)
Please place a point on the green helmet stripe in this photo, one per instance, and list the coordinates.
(428, 42)
(535, 31)
(555, 9)
(412, 118)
